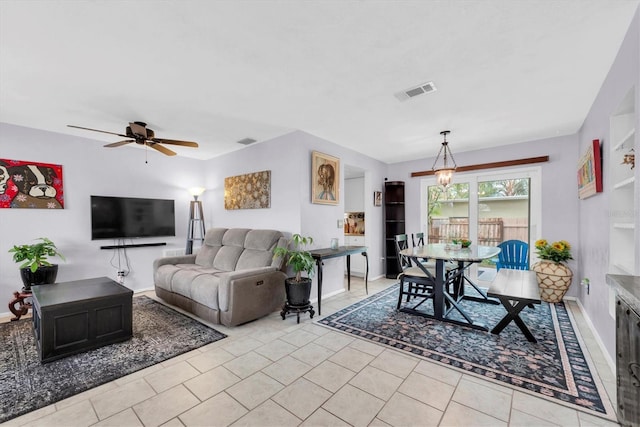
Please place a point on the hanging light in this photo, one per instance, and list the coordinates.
(444, 173)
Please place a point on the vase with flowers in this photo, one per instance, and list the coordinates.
(553, 275)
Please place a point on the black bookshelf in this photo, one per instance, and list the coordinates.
(393, 223)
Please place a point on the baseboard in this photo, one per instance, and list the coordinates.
(603, 349)
(329, 295)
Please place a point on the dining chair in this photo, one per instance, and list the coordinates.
(417, 239)
(514, 255)
(419, 283)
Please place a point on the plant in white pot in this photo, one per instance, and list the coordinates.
(298, 288)
(554, 277)
(35, 268)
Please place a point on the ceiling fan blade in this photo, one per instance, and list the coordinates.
(161, 149)
(119, 143)
(176, 142)
(97, 130)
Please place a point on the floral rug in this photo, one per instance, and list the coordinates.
(555, 368)
(159, 333)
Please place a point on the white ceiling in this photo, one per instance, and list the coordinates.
(218, 71)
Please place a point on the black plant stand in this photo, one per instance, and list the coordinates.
(288, 308)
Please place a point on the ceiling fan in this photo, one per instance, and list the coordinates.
(140, 134)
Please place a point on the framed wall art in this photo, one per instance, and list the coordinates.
(325, 179)
(248, 191)
(377, 198)
(590, 171)
(30, 185)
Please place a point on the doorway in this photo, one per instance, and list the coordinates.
(355, 219)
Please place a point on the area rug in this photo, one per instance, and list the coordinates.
(159, 333)
(554, 368)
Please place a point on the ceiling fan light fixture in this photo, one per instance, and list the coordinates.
(444, 173)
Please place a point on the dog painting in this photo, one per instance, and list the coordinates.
(30, 185)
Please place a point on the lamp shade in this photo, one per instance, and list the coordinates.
(196, 191)
(443, 176)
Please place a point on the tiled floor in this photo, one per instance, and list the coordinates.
(278, 373)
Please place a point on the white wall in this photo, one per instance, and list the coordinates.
(354, 195)
(594, 213)
(289, 159)
(88, 169)
(559, 185)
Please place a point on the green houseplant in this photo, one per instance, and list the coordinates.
(35, 268)
(298, 288)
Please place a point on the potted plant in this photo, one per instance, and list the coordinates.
(35, 269)
(554, 277)
(298, 288)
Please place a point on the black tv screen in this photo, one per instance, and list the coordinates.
(128, 217)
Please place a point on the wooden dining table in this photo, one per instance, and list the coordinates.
(449, 289)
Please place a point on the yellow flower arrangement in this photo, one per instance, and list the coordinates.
(557, 251)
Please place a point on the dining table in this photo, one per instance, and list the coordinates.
(449, 286)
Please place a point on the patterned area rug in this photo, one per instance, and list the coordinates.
(555, 368)
(159, 333)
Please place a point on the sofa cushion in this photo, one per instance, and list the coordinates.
(181, 283)
(232, 246)
(164, 274)
(204, 290)
(258, 251)
(212, 243)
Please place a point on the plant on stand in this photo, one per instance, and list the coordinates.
(298, 288)
(554, 277)
(35, 268)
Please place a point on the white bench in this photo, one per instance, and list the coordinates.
(515, 289)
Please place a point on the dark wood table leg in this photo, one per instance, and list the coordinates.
(366, 272)
(513, 314)
(319, 265)
(23, 307)
(348, 272)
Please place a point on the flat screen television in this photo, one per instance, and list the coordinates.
(129, 217)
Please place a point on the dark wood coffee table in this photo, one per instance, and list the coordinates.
(73, 317)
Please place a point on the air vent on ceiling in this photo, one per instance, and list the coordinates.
(246, 141)
(415, 91)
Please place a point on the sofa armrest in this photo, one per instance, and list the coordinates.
(181, 259)
(248, 294)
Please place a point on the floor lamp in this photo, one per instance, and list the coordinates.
(195, 229)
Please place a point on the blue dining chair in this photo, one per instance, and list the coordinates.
(514, 255)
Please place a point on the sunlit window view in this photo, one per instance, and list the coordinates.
(502, 212)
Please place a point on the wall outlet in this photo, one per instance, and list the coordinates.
(341, 223)
(586, 283)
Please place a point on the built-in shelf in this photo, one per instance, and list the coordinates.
(625, 183)
(624, 225)
(628, 137)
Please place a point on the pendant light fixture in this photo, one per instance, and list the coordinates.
(443, 174)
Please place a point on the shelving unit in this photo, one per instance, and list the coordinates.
(393, 223)
(624, 230)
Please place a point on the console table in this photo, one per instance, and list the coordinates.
(326, 253)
